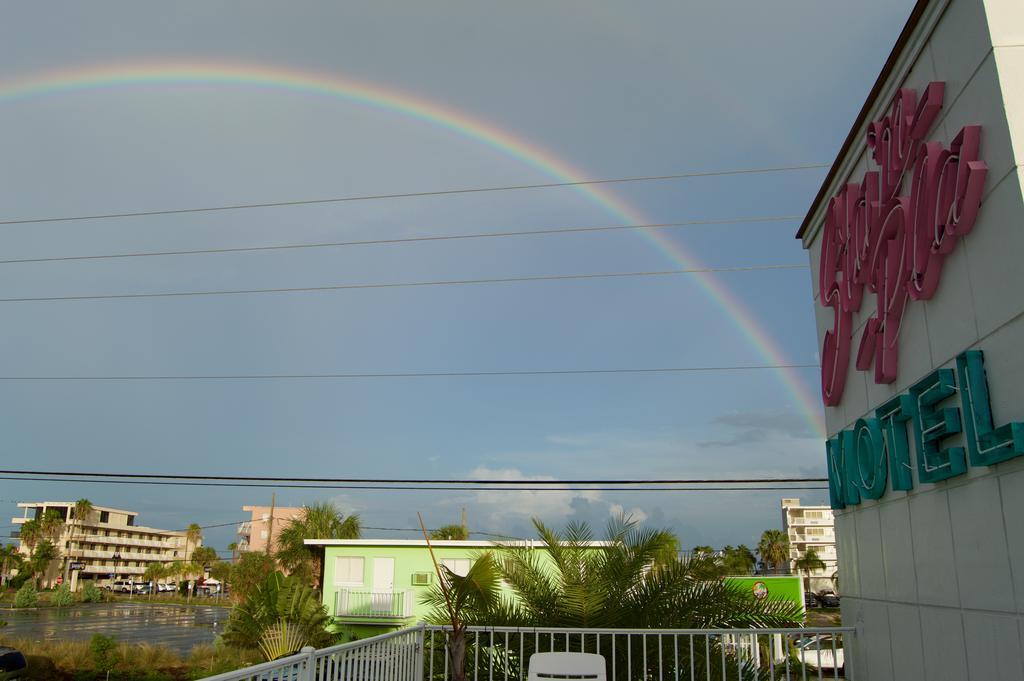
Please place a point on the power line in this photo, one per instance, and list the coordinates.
(407, 195)
(374, 242)
(422, 489)
(412, 284)
(413, 374)
(424, 481)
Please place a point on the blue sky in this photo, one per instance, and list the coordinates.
(615, 89)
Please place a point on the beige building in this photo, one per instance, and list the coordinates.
(810, 527)
(108, 545)
(254, 534)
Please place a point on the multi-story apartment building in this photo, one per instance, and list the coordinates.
(255, 533)
(810, 527)
(106, 546)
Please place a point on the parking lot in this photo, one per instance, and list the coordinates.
(177, 627)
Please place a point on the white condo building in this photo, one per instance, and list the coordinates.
(107, 545)
(811, 527)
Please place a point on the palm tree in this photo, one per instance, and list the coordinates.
(739, 560)
(627, 583)
(808, 563)
(316, 521)
(279, 617)
(30, 534)
(44, 529)
(233, 548)
(10, 557)
(44, 553)
(203, 555)
(458, 597)
(154, 571)
(774, 548)
(450, 532)
(81, 512)
(192, 535)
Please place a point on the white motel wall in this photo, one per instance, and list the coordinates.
(933, 576)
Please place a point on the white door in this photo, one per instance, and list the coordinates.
(383, 586)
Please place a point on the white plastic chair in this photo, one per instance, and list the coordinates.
(562, 666)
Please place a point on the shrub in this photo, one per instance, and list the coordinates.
(17, 580)
(27, 596)
(91, 593)
(41, 668)
(62, 596)
(104, 652)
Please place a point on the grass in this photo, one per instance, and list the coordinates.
(824, 617)
(58, 660)
(7, 599)
(171, 599)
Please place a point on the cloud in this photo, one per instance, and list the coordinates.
(346, 504)
(498, 508)
(636, 513)
(757, 426)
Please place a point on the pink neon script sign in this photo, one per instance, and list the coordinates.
(893, 245)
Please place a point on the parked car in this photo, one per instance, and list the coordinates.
(828, 599)
(122, 586)
(168, 587)
(12, 664)
(810, 600)
(144, 588)
(822, 651)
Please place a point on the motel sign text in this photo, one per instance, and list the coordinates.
(877, 449)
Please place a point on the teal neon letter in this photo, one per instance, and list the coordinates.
(842, 470)
(987, 444)
(894, 415)
(836, 472)
(869, 457)
(933, 424)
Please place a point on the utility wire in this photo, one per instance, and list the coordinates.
(445, 192)
(453, 237)
(424, 481)
(411, 374)
(411, 284)
(423, 489)
(405, 240)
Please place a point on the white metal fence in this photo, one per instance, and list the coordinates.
(397, 656)
(502, 654)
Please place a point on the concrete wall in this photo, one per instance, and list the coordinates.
(934, 577)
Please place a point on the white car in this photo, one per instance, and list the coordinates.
(824, 651)
(121, 586)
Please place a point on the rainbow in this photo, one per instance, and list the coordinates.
(389, 99)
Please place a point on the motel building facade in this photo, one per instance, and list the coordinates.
(916, 243)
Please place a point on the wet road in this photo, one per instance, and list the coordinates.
(177, 627)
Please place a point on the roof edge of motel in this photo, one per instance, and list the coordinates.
(865, 112)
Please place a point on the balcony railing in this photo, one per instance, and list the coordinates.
(128, 541)
(374, 604)
(245, 529)
(125, 555)
(109, 569)
(503, 654)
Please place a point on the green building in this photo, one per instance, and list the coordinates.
(371, 586)
(787, 587)
(374, 585)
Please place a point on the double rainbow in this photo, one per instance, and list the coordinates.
(389, 99)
